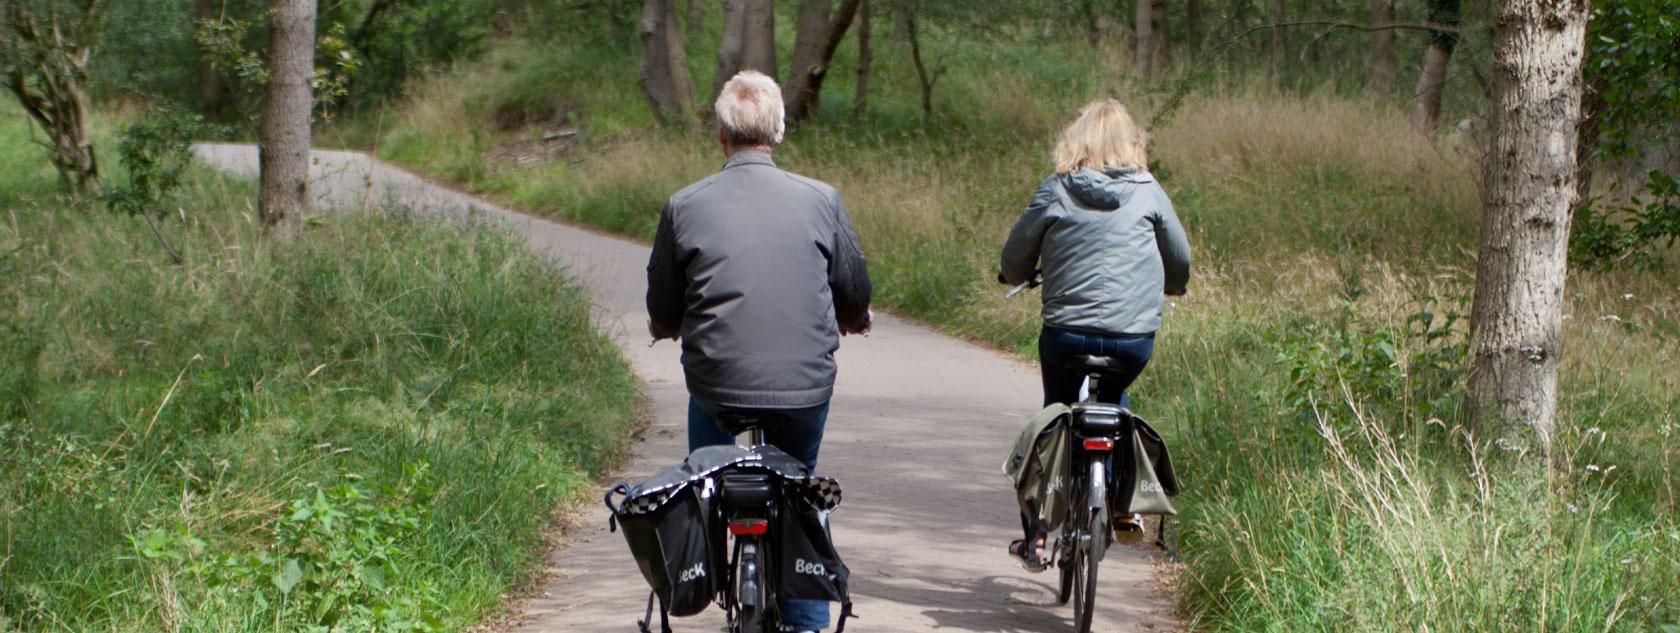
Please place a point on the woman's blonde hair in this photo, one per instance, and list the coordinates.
(1104, 136)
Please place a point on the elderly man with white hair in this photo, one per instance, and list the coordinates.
(758, 272)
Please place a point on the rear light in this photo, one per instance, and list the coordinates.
(1099, 444)
(749, 527)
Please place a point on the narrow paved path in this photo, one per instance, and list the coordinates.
(920, 424)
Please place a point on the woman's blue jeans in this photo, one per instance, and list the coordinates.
(1057, 346)
(799, 434)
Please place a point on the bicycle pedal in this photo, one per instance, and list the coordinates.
(1129, 531)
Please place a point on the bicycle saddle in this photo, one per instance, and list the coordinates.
(736, 422)
(1095, 364)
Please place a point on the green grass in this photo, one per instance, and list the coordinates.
(1320, 223)
(369, 424)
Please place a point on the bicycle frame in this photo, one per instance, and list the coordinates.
(749, 596)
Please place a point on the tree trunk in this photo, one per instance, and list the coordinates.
(926, 77)
(1280, 12)
(1383, 65)
(211, 90)
(732, 44)
(1517, 311)
(1093, 25)
(1144, 26)
(811, 61)
(759, 50)
(860, 103)
(1158, 36)
(696, 15)
(1426, 100)
(1193, 24)
(1586, 134)
(284, 132)
(665, 80)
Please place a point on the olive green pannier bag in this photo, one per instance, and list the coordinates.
(1040, 459)
(1038, 464)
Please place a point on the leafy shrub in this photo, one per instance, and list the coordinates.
(1636, 231)
(330, 565)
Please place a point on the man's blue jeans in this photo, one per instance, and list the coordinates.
(799, 434)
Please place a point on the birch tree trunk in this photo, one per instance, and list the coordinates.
(1144, 27)
(665, 80)
(283, 149)
(1426, 100)
(813, 52)
(1383, 65)
(1517, 311)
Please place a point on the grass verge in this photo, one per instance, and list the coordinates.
(368, 425)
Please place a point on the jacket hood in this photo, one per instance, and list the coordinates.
(1104, 190)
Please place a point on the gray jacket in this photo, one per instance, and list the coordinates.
(756, 267)
(1110, 246)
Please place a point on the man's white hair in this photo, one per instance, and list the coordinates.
(749, 110)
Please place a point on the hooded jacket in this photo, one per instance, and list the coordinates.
(1109, 245)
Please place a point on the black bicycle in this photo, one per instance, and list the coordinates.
(750, 587)
(1097, 430)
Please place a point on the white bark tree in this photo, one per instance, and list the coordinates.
(283, 136)
(1517, 312)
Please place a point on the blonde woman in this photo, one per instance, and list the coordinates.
(1105, 236)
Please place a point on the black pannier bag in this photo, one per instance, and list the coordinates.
(673, 523)
(678, 547)
(811, 569)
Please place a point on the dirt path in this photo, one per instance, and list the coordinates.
(920, 424)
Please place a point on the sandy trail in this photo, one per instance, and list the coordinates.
(920, 424)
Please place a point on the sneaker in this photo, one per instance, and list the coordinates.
(1129, 530)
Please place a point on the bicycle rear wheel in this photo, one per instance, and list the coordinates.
(1085, 575)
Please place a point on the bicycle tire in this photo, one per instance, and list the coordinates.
(1085, 577)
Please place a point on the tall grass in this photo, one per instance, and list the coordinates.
(369, 424)
(1324, 230)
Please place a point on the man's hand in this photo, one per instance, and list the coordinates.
(658, 334)
(868, 324)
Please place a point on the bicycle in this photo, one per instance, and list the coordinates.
(750, 588)
(1097, 428)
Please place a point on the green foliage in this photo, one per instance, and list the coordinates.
(156, 152)
(1606, 235)
(328, 564)
(1633, 63)
(1348, 359)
